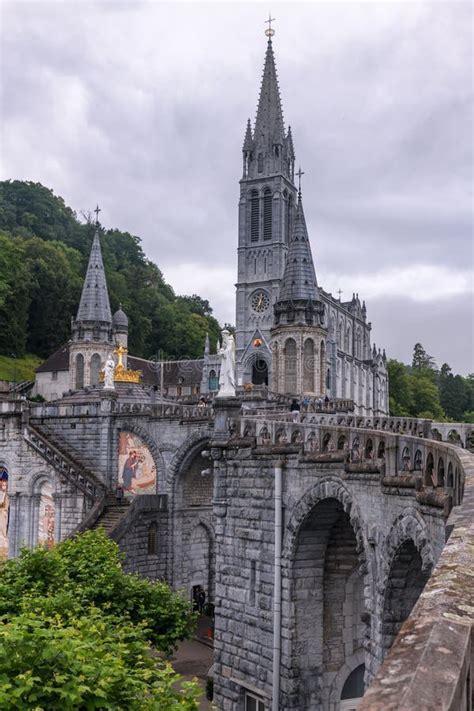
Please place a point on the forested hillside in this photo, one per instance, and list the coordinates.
(423, 390)
(44, 250)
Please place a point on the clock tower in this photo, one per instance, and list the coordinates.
(266, 215)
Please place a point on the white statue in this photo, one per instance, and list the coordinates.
(109, 369)
(227, 375)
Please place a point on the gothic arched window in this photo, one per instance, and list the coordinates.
(267, 214)
(254, 216)
(79, 371)
(308, 366)
(95, 369)
(290, 366)
(260, 163)
(322, 368)
(289, 208)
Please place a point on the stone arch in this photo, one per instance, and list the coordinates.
(95, 366)
(308, 366)
(153, 448)
(79, 381)
(327, 522)
(381, 450)
(405, 460)
(350, 664)
(199, 545)
(289, 358)
(342, 442)
(404, 569)
(440, 472)
(428, 479)
(450, 477)
(184, 454)
(369, 449)
(327, 442)
(418, 461)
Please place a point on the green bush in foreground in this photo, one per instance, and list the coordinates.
(77, 631)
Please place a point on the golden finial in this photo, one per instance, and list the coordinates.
(270, 31)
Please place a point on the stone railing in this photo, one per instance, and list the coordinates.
(458, 434)
(431, 664)
(416, 462)
(76, 474)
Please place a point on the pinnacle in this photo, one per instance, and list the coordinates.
(94, 304)
(299, 279)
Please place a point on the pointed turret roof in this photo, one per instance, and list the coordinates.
(269, 122)
(94, 304)
(299, 278)
(248, 140)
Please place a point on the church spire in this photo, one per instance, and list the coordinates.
(269, 125)
(94, 304)
(299, 278)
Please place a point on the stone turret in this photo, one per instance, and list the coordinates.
(298, 337)
(92, 333)
(120, 327)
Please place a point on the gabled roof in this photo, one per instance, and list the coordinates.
(59, 360)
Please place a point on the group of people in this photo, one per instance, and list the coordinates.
(297, 406)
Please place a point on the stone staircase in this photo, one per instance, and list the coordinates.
(112, 513)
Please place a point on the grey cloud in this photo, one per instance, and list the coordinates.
(142, 106)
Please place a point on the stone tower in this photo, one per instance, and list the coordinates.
(298, 336)
(266, 214)
(92, 333)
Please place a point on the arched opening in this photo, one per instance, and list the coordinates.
(254, 216)
(288, 219)
(46, 516)
(260, 162)
(79, 371)
(405, 463)
(429, 479)
(353, 689)
(322, 368)
(95, 369)
(260, 372)
(308, 366)
(405, 583)
(440, 473)
(327, 591)
(290, 366)
(267, 214)
(213, 381)
(369, 449)
(199, 554)
(450, 479)
(348, 341)
(327, 442)
(418, 461)
(4, 513)
(342, 442)
(381, 450)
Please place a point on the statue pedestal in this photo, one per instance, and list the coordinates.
(226, 412)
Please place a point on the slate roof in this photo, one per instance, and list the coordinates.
(269, 121)
(94, 304)
(59, 360)
(299, 278)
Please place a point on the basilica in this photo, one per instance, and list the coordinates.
(292, 337)
(314, 533)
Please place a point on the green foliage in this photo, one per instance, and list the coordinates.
(76, 632)
(44, 251)
(421, 391)
(18, 369)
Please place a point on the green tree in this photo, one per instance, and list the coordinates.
(77, 632)
(400, 389)
(421, 359)
(15, 296)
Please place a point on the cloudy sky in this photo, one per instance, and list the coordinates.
(142, 107)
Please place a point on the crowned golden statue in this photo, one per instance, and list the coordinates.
(121, 374)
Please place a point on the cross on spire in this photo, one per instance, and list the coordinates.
(299, 174)
(340, 292)
(97, 210)
(270, 31)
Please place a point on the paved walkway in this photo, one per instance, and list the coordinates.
(194, 659)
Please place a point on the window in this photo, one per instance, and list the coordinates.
(267, 214)
(254, 216)
(152, 539)
(253, 703)
(252, 582)
(213, 381)
(54, 375)
(260, 162)
(79, 371)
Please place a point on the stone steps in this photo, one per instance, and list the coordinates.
(112, 514)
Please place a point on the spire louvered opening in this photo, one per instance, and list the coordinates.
(267, 214)
(254, 216)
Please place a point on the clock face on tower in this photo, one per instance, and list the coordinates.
(260, 301)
